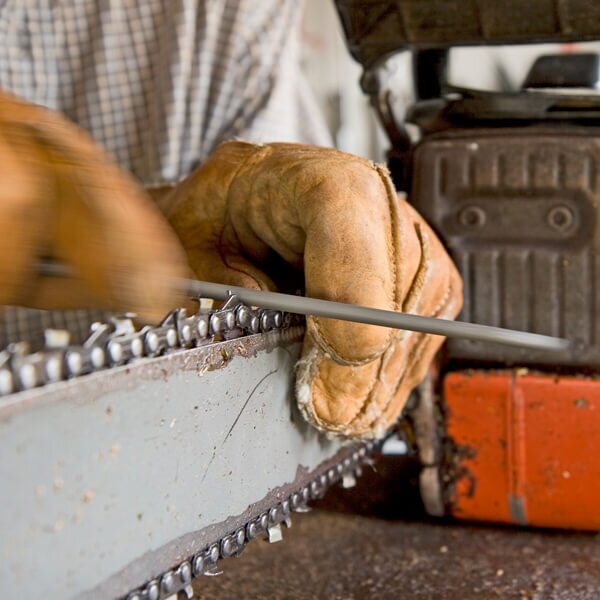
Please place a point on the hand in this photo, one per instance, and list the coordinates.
(339, 219)
(61, 197)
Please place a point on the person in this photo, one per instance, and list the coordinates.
(105, 110)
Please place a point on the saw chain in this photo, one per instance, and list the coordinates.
(177, 581)
(119, 341)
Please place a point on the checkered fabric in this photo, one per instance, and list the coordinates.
(159, 84)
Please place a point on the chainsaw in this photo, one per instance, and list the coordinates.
(136, 457)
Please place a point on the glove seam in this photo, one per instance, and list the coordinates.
(418, 350)
(393, 253)
(310, 366)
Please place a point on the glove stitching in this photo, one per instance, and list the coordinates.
(394, 252)
(418, 350)
(412, 298)
(307, 373)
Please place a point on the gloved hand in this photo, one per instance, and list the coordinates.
(62, 197)
(339, 218)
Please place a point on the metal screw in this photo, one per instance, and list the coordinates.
(296, 500)
(561, 218)
(472, 216)
(243, 316)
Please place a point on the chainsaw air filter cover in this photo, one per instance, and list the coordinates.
(518, 210)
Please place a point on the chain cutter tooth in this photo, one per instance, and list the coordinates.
(267, 524)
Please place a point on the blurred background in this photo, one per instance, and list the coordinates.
(334, 76)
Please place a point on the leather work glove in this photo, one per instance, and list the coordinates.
(62, 197)
(338, 218)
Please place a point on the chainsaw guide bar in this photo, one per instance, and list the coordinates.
(139, 458)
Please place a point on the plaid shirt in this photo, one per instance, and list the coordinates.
(159, 84)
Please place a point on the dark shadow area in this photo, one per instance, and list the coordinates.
(388, 489)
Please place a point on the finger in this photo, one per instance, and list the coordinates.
(198, 211)
(211, 264)
(330, 395)
(23, 220)
(62, 293)
(359, 246)
(108, 229)
(105, 226)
